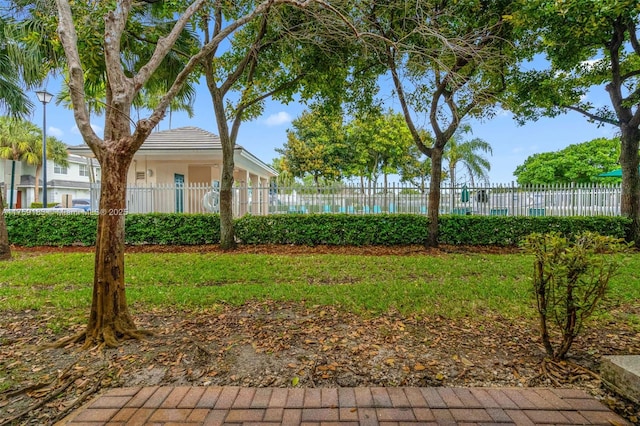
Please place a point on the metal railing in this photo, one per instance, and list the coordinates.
(492, 200)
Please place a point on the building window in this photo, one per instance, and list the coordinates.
(57, 168)
(84, 170)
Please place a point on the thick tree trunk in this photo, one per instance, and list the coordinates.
(630, 200)
(110, 321)
(5, 248)
(434, 196)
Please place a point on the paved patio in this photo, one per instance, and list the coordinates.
(327, 406)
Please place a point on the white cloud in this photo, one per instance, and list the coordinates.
(54, 131)
(95, 128)
(278, 119)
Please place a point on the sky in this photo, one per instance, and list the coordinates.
(511, 143)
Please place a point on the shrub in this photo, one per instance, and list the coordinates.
(57, 229)
(36, 205)
(570, 278)
(332, 229)
(40, 228)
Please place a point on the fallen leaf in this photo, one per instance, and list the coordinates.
(466, 362)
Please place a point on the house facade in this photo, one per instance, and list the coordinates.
(170, 161)
(72, 181)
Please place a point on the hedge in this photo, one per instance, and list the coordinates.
(302, 229)
(55, 229)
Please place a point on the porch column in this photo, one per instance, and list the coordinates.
(243, 195)
(264, 192)
(255, 195)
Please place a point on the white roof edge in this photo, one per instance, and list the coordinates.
(256, 160)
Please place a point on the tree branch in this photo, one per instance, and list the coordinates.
(403, 102)
(633, 37)
(144, 127)
(115, 23)
(629, 75)
(250, 59)
(69, 40)
(592, 116)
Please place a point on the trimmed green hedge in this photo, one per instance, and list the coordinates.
(303, 229)
(332, 229)
(80, 229)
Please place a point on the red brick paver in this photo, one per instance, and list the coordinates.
(356, 406)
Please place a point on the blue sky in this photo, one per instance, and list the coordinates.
(511, 143)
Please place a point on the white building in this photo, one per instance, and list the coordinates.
(72, 180)
(171, 162)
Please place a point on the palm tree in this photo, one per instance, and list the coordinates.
(18, 139)
(20, 66)
(468, 154)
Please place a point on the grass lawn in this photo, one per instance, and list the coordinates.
(451, 285)
(311, 319)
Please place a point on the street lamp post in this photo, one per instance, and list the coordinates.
(44, 97)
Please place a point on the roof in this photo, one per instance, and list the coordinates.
(183, 139)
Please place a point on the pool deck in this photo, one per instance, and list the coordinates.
(184, 405)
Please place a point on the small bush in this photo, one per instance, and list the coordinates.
(570, 278)
(37, 205)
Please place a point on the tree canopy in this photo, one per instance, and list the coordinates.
(577, 163)
(316, 146)
(447, 62)
(589, 45)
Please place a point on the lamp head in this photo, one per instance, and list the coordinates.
(44, 96)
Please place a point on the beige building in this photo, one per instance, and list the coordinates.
(179, 170)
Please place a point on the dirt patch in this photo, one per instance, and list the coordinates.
(290, 344)
(283, 249)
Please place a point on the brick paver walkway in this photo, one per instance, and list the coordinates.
(326, 406)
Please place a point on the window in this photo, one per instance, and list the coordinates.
(84, 170)
(57, 168)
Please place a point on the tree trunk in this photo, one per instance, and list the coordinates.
(630, 199)
(540, 284)
(434, 196)
(110, 320)
(227, 232)
(5, 248)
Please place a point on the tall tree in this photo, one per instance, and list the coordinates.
(316, 147)
(589, 44)
(577, 163)
(447, 61)
(468, 153)
(20, 66)
(18, 142)
(381, 143)
(289, 49)
(110, 320)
